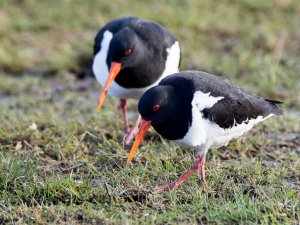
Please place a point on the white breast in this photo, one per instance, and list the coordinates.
(197, 134)
(101, 69)
(172, 61)
(204, 134)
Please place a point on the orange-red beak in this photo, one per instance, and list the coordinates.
(114, 70)
(145, 125)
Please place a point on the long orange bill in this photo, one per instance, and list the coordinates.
(145, 125)
(114, 70)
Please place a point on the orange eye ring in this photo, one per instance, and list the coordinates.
(156, 107)
(127, 51)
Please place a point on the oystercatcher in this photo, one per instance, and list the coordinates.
(130, 56)
(201, 111)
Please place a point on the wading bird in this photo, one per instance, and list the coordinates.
(201, 111)
(130, 56)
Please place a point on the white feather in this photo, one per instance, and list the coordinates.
(204, 100)
(100, 67)
(172, 61)
(204, 134)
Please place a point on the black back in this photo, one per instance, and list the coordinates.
(236, 107)
(155, 40)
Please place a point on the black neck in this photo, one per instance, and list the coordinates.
(141, 75)
(176, 121)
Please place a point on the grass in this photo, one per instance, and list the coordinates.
(63, 163)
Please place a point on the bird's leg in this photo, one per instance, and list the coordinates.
(134, 130)
(123, 105)
(197, 165)
(202, 171)
(130, 133)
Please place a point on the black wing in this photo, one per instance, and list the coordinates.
(236, 107)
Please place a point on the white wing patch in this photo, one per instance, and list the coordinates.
(204, 100)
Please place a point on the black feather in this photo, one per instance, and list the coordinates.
(237, 105)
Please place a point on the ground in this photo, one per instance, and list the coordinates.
(63, 163)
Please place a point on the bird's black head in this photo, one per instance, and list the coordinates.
(156, 103)
(168, 112)
(124, 53)
(125, 48)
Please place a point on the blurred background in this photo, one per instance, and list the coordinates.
(63, 162)
(254, 43)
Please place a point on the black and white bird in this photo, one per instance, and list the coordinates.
(130, 56)
(201, 111)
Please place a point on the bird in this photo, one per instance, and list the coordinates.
(201, 111)
(130, 56)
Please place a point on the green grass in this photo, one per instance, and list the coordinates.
(70, 168)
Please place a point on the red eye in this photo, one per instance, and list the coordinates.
(156, 107)
(127, 51)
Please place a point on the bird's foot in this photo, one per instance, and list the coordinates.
(167, 187)
(204, 186)
(126, 130)
(131, 135)
(174, 185)
(199, 163)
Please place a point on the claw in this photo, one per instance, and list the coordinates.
(199, 164)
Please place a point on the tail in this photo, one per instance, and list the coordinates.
(275, 109)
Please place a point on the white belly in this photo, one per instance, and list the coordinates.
(220, 137)
(101, 69)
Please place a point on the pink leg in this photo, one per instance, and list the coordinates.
(197, 165)
(202, 174)
(123, 105)
(134, 130)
